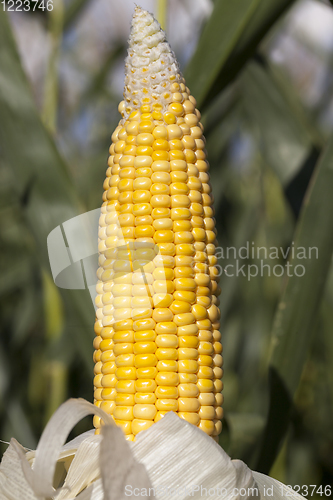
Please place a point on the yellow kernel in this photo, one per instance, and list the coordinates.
(109, 394)
(161, 177)
(205, 348)
(176, 145)
(160, 200)
(218, 348)
(160, 224)
(146, 126)
(191, 417)
(148, 347)
(188, 365)
(187, 352)
(123, 336)
(180, 306)
(135, 115)
(123, 413)
(218, 399)
(126, 372)
(160, 188)
(132, 128)
(144, 411)
(164, 236)
(189, 405)
(166, 353)
(125, 386)
(160, 415)
(124, 399)
(157, 115)
(176, 109)
(142, 161)
(142, 209)
(139, 425)
(188, 390)
(144, 324)
(191, 120)
(162, 314)
(144, 139)
(145, 385)
(176, 155)
(205, 372)
(168, 249)
(144, 151)
(180, 201)
(120, 349)
(190, 156)
(165, 392)
(126, 173)
(146, 372)
(187, 284)
(160, 155)
(167, 379)
(190, 341)
(205, 335)
(184, 319)
(106, 381)
(207, 399)
(170, 118)
(167, 341)
(166, 365)
(142, 183)
(108, 356)
(143, 220)
(161, 213)
(162, 300)
(144, 360)
(167, 327)
(217, 337)
(207, 426)
(179, 165)
(188, 378)
(218, 385)
(160, 132)
(130, 149)
(205, 360)
(141, 398)
(167, 404)
(126, 161)
(161, 145)
(161, 166)
(205, 385)
(189, 107)
(143, 172)
(145, 337)
(219, 412)
(145, 108)
(174, 132)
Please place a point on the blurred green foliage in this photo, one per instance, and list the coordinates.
(271, 169)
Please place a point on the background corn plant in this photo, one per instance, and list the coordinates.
(263, 78)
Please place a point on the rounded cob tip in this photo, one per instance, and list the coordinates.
(151, 66)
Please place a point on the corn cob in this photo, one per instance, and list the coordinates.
(157, 344)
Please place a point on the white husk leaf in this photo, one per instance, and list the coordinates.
(172, 454)
(177, 454)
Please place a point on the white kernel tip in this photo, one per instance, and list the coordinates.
(149, 64)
